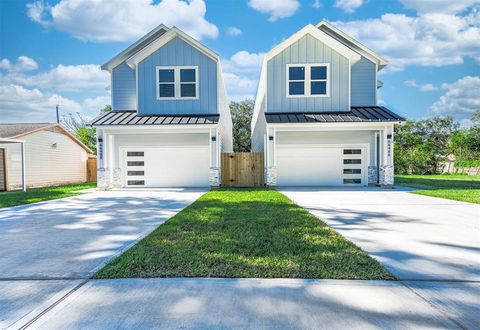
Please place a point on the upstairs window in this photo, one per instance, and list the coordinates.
(180, 82)
(308, 80)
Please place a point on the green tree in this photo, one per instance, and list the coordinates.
(107, 108)
(242, 117)
(465, 143)
(421, 145)
(79, 126)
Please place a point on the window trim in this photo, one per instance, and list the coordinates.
(307, 80)
(177, 83)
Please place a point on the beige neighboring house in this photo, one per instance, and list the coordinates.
(39, 155)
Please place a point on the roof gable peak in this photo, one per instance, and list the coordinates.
(352, 43)
(320, 35)
(163, 40)
(135, 47)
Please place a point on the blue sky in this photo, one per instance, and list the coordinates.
(50, 51)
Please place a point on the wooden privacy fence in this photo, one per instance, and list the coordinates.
(92, 169)
(242, 169)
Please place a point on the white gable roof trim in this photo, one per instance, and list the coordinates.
(320, 35)
(367, 52)
(122, 56)
(164, 39)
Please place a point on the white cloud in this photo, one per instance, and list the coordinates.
(241, 72)
(428, 87)
(233, 31)
(438, 6)
(32, 96)
(317, 4)
(72, 78)
(106, 20)
(20, 104)
(348, 6)
(23, 64)
(461, 100)
(276, 9)
(428, 40)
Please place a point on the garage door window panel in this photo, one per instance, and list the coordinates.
(352, 161)
(136, 182)
(135, 163)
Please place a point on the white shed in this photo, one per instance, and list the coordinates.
(53, 156)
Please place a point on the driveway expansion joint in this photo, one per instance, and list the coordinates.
(435, 306)
(56, 303)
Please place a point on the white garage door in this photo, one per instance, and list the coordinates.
(167, 167)
(321, 165)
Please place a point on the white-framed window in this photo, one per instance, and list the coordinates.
(177, 82)
(308, 80)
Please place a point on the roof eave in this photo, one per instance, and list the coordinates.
(119, 58)
(318, 34)
(133, 60)
(381, 61)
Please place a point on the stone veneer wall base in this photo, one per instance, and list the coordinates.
(271, 175)
(386, 176)
(214, 178)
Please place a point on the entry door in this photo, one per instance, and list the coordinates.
(167, 167)
(320, 165)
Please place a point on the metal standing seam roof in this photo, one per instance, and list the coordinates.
(356, 114)
(131, 118)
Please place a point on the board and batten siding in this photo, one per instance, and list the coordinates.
(177, 53)
(124, 92)
(46, 164)
(364, 83)
(308, 49)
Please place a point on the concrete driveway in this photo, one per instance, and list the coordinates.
(74, 237)
(431, 244)
(49, 249)
(44, 277)
(416, 237)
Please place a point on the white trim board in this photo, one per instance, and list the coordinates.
(164, 39)
(332, 126)
(367, 52)
(122, 56)
(176, 82)
(307, 81)
(320, 35)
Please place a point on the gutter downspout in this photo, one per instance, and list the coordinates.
(24, 175)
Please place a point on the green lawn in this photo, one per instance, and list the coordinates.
(458, 187)
(40, 194)
(245, 233)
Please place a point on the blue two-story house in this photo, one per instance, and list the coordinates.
(316, 113)
(170, 118)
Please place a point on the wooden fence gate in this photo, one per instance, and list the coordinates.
(91, 169)
(242, 169)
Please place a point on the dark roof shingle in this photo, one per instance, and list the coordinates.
(12, 130)
(356, 114)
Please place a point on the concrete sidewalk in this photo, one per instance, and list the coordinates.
(254, 303)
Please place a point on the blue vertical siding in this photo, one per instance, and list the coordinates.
(308, 50)
(177, 53)
(364, 82)
(123, 88)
